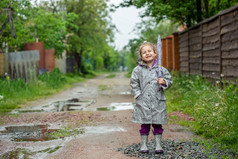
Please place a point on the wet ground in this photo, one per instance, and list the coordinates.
(89, 121)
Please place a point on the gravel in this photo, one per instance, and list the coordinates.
(178, 150)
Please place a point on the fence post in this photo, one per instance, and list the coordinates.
(175, 52)
(169, 57)
(201, 27)
(188, 54)
(164, 52)
(220, 53)
(1, 63)
(6, 69)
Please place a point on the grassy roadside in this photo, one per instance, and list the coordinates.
(15, 92)
(215, 109)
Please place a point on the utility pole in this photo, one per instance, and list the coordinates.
(9, 19)
(5, 45)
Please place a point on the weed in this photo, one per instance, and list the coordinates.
(215, 109)
(110, 76)
(65, 132)
(103, 87)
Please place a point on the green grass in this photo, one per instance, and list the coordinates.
(16, 92)
(65, 132)
(103, 87)
(215, 109)
(110, 76)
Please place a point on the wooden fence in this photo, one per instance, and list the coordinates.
(210, 48)
(170, 54)
(24, 64)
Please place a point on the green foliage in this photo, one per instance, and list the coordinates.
(110, 76)
(35, 24)
(215, 109)
(185, 12)
(91, 36)
(99, 63)
(87, 68)
(80, 27)
(103, 87)
(49, 28)
(53, 79)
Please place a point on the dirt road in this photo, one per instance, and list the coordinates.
(105, 113)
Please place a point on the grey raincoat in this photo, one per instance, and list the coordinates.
(150, 105)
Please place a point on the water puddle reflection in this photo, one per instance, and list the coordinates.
(25, 154)
(37, 133)
(103, 129)
(125, 93)
(116, 107)
(73, 104)
(27, 133)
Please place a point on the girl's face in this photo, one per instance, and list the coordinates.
(147, 54)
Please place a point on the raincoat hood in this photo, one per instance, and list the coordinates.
(142, 63)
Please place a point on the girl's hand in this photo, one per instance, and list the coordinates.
(161, 81)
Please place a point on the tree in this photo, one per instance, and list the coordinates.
(93, 32)
(185, 12)
(81, 26)
(20, 10)
(35, 24)
(48, 27)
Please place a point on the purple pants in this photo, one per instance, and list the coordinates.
(145, 129)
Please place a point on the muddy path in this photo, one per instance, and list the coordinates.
(100, 107)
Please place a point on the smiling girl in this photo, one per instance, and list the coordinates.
(150, 108)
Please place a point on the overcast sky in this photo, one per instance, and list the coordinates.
(125, 20)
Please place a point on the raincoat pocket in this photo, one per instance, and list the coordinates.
(139, 100)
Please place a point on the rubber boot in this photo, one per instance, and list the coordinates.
(144, 140)
(158, 148)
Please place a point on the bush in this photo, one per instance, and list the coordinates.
(87, 69)
(53, 79)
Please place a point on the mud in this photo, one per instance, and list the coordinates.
(104, 114)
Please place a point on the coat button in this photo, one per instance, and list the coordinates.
(149, 82)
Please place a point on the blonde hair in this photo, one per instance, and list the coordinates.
(145, 43)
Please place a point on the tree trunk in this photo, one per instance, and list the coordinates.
(78, 59)
(199, 11)
(218, 5)
(206, 3)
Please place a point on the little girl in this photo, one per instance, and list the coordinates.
(150, 108)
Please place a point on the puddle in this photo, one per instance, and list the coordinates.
(103, 129)
(125, 93)
(116, 107)
(35, 141)
(24, 153)
(19, 153)
(28, 133)
(73, 104)
(37, 133)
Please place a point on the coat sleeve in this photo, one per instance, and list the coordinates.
(135, 83)
(167, 78)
